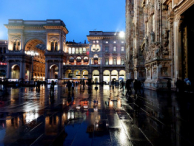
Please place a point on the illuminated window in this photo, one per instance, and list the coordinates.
(71, 59)
(18, 46)
(69, 50)
(85, 59)
(106, 49)
(122, 62)
(106, 61)
(114, 42)
(114, 61)
(77, 51)
(73, 50)
(84, 50)
(80, 50)
(78, 59)
(95, 56)
(114, 49)
(122, 49)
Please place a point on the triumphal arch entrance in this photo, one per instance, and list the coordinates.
(35, 49)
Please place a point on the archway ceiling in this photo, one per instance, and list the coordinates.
(35, 43)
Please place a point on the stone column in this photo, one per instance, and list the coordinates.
(177, 49)
(46, 70)
(60, 70)
(8, 71)
(101, 77)
(21, 70)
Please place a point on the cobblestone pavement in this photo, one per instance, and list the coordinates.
(103, 117)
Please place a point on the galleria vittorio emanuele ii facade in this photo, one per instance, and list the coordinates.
(159, 41)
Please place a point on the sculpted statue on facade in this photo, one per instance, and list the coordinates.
(166, 42)
(152, 37)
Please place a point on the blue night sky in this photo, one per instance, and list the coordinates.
(80, 16)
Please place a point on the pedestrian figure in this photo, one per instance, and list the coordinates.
(83, 85)
(135, 86)
(52, 88)
(128, 86)
(169, 85)
(72, 85)
(138, 87)
(178, 85)
(69, 85)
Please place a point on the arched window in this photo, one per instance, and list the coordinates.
(69, 50)
(85, 59)
(52, 46)
(14, 46)
(71, 59)
(18, 46)
(95, 56)
(78, 59)
(56, 46)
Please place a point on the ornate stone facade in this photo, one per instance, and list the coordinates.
(164, 36)
(35, 49)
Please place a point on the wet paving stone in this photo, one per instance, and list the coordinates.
(30, 117)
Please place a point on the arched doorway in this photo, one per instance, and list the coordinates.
(106, 76)
(114, 75)
(95, 76)
(15, 72)
(84, 74)
(54, 71)
(76, 74)
(122, 75)
(187, 51)
(35, 50)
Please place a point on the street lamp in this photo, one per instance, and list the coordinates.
(122, 34)
(32, 54)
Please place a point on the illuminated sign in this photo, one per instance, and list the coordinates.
(2, 63)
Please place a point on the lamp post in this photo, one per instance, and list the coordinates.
(32, 54)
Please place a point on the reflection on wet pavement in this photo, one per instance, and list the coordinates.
(104, 117)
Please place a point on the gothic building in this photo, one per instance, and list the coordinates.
(159, 41)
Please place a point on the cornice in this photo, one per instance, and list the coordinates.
(57, 27)
(14, 27)
(182, 6)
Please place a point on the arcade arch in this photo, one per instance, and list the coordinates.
(84, 74)
(122, 75)
(35, 49)
(68, 73)
(15, 71)
(53, 71)
(95, 76)
(106, 76)
(76, 74)
(114, 75)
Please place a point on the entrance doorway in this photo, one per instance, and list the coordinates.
(187, 35)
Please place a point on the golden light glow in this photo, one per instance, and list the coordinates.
(122, 34)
